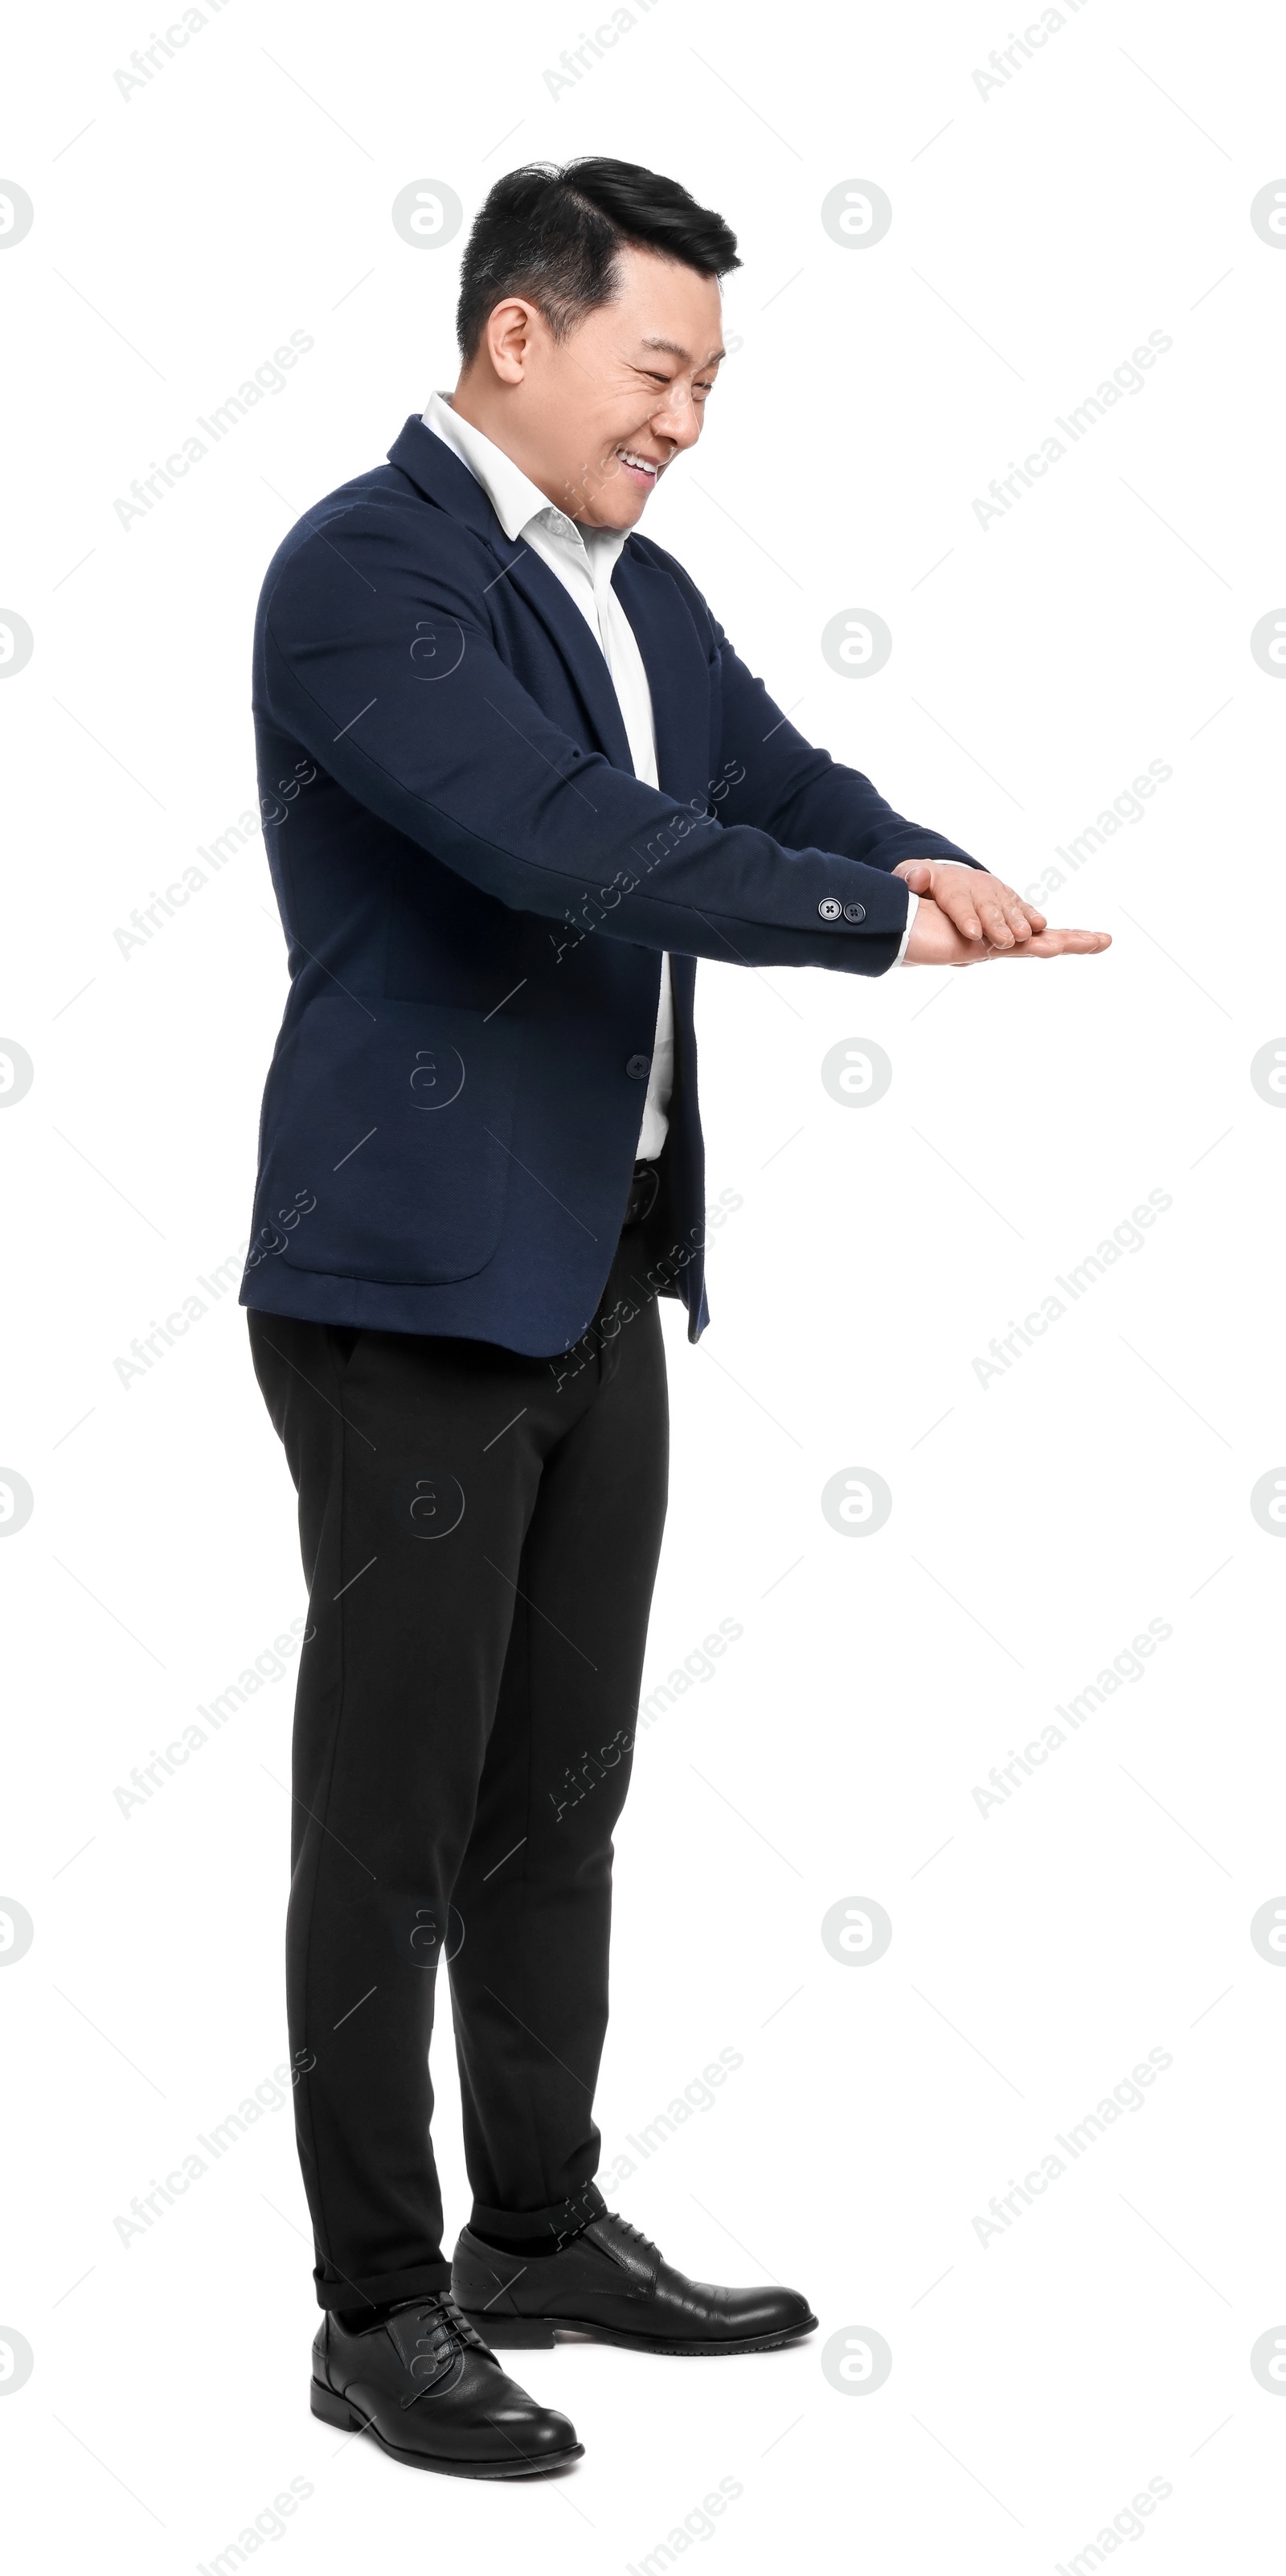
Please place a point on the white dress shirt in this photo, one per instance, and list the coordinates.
(583, 559)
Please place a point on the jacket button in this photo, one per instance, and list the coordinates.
(855, 912)
(830, 907)
(639, 1067)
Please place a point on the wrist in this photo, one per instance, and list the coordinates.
(912, 907)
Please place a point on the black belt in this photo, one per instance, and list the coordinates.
(643, 1193)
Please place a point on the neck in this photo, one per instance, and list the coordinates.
(485, 407)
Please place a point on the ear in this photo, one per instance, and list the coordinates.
(511, 330)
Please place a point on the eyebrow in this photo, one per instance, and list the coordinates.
(674, 350)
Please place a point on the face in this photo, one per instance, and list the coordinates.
(596, 419)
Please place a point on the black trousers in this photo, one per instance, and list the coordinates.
(480, 1534)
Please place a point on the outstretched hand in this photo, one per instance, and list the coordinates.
(967, 916)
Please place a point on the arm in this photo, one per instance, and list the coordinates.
(378, 656)
(964, 913)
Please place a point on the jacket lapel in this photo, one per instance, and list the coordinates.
(442, 477)
(677, 672)
(672, 656)
(577, 647)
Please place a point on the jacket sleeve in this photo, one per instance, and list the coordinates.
(382, 664)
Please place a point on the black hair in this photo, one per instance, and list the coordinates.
(553, 235)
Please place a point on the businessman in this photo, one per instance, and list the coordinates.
(515, 782)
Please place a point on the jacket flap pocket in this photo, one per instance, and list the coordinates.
(386, 1129)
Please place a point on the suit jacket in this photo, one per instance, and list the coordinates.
(477, 892)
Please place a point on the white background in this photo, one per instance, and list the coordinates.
(1039, 1952)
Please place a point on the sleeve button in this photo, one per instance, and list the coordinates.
(855, 912)
(830, 907)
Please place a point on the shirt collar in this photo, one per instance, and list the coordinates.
(515, 499)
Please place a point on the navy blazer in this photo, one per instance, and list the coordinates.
(477, 891)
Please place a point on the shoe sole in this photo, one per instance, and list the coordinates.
(530, 2334)
(347, 2418)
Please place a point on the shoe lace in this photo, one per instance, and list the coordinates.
(446, 2333)
(628, 2228)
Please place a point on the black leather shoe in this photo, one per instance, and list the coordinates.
(427, 2387)
(611, 2282)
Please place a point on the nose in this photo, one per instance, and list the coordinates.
(679, 419)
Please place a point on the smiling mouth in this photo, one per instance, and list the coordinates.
(643, 465)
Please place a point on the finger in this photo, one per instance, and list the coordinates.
(992, 912)
(1002, 912)
(1071, 943)
(1063, 943)
(1022, 917)
(953, 895)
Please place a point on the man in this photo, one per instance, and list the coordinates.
(515, 783)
